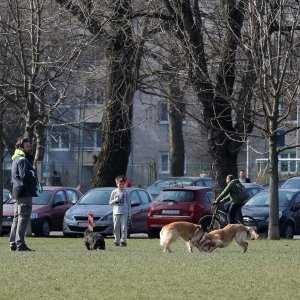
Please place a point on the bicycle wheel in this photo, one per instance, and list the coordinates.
(210, 223)
(250, 221)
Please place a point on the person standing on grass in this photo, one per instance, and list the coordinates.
(24, 188)
(119, 198)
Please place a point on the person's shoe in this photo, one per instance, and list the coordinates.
(123, 244)
(24, 248)
(13, 248)
(116, 244)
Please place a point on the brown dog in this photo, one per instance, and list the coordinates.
(189, 232)
(221, 238)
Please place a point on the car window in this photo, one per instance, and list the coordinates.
(209, 198)
(134, 198)
(42, 199)
(60, 197)
(177, 196)
(291, 184)
(263, 199)
(6, 196)
(207, 182)
(144, 197)
(96, 197)
(72, 197)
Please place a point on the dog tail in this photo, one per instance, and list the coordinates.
(162, 235)
(251, 234)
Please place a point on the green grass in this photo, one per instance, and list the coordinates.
(63, 269)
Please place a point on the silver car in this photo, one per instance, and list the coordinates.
(97, 201)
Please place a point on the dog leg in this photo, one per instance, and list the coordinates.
(244, 245)
(167, 247)
(240, 239)
(190, 246)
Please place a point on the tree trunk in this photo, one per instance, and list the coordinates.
(114, 155)
(1, 165)
(273, 232)
(224, 158)
(176, 111)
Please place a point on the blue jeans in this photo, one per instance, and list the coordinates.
(22, 213)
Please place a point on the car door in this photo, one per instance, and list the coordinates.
(60, 206)
(296, 213)
(145, 203)
(136, 217)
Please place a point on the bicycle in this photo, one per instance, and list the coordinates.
(218, 219)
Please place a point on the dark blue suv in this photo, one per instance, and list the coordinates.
(289, 211)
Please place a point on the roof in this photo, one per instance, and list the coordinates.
(188, 188)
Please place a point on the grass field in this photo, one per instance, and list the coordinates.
(63, 269)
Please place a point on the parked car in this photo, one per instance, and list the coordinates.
(189, 203)
(280, 183)
(155, 188)
(252, 188)
(289, 211)
(48, 209)
(6, 195)
(291, 183)
(97, 201)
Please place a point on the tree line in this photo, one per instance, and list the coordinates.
(238, 58)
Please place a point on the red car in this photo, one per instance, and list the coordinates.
(48, 209)
(189, 203)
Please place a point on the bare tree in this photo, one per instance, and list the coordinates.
(210, 34)
(33, 59)
(114, 26)
(274, 28)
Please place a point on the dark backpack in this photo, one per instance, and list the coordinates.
(242, 192)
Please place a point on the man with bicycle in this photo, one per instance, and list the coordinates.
(231, 193)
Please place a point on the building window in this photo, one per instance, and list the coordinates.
(287, 162)
(163, 114)
(164, 162)
(94, 94)
(92, 135)
(60, 140)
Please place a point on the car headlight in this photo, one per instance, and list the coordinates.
(69, 216)
(107, 218)
(33, 216)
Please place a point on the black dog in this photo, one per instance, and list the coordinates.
(94, 240)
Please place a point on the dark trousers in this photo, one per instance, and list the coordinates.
(233, 209)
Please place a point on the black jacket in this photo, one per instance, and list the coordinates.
(23, 178)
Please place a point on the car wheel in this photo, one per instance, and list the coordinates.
(46, 228)
(153, 234)
(288, 231)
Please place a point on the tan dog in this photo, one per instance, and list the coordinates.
(221, 238)
(189, 232)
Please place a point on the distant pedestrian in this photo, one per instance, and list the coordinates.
(24, 188)
(119, 198)
(80, 188)
(243, 178)
(56, 180)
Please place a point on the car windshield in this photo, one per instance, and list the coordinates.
(155, 188)
(42, 199)
(96, 197)
(263, 199)
(291, 184)
(177, 196)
